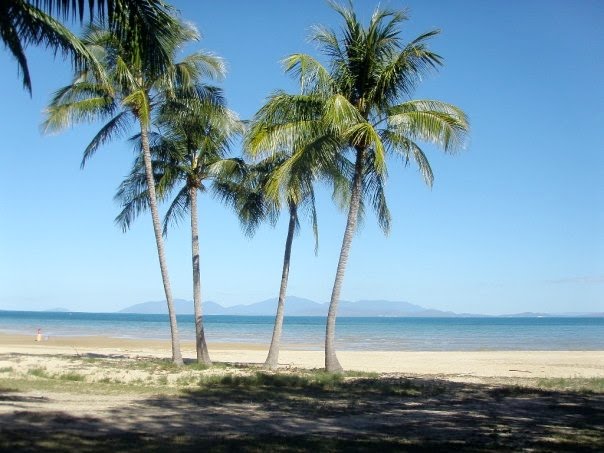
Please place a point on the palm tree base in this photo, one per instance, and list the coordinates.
(203, 355)
(271, 363)
(332, 365)
(204, 359)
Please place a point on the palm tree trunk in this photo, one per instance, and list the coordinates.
(272, 361)
(203, 355)
(331, 360)
(176, 355)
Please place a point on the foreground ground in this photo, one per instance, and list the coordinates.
(91, 402)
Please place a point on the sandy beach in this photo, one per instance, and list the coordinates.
(462, 364)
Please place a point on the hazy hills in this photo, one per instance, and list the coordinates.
(295, 306)
(298, 306)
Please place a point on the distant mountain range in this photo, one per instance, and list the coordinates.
(298, 306)
(295, 306)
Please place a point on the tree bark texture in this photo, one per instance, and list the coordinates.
(201, 347)
(331, 360)
(176, 355)
(272, 361)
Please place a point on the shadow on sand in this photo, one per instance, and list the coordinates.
(265, 412)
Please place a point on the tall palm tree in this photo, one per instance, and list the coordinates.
(249, 197)
(363, 98)
(278, 178)
(129, 91)
(189, 151)
(145, 23)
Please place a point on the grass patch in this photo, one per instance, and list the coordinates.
(71, 377)
(314, 383)
(199, 366)
(275, 380)
(39, 372)
(162, 380)
(7, 369)
(183, 381)
(82, 387)
(582, 385)
(154, 365)
(365, 374)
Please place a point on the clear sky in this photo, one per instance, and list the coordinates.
(513, 223)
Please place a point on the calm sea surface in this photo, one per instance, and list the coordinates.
(410, 334)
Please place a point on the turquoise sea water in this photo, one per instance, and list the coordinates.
(379, 334)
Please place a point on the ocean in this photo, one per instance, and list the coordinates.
(373, 334)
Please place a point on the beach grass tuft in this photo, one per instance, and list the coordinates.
(162, 380)
(39, 372)
(575, 384)
(71, 376)
(200, 366)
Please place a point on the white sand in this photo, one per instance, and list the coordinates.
(551, 364)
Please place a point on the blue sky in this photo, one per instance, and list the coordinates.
(513, 223)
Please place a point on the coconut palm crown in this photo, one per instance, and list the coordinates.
(128, 92)
(359, 106)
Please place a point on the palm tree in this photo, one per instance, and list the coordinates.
(188, 151)
(249, 197)
(280, 177)
(129, 91)
(145, 23)
(363, 98)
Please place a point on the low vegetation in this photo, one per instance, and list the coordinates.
(251, 409)
(163, 376)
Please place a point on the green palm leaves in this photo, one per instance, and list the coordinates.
(147, 26)
(130, 90)
(349, 120)
(189, 152)
(195, 132)
(353, 114)
(126, 91)
(21, 24)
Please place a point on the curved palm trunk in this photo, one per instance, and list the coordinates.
(176, 355)
(272, 361)
(203, 355)
(331, 360)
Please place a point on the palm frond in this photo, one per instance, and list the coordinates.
(22, 23)
(374, 190)
(363, 135)
(313, 77)
(283, 123)
(432, 121)
(178, 209)
(408, 149)
(340, 114)
(138, 103)
(63, 115)
(116, 127)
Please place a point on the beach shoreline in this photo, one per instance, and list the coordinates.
(536, 364)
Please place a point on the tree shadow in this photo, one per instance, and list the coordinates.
(12, 396)
(277, 412)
